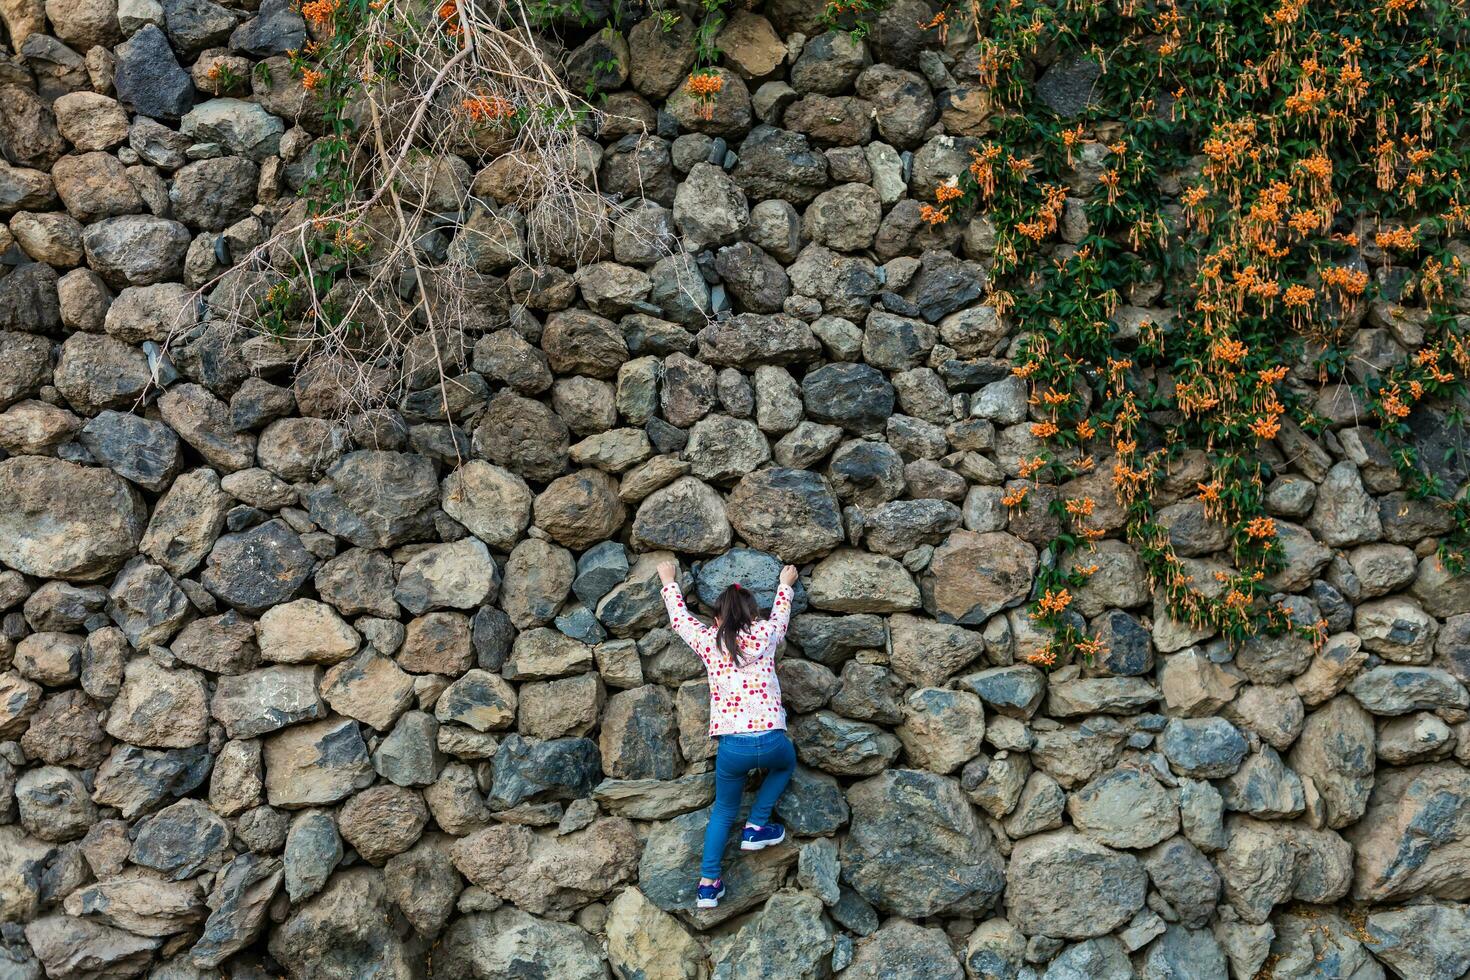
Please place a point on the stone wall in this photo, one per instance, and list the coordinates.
(281, 694)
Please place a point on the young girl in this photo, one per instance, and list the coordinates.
(745, 714)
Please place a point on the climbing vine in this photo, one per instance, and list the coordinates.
(1267, 170)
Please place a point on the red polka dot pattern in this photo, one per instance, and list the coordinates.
(744, 697)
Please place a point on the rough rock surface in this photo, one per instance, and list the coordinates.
(292, 689)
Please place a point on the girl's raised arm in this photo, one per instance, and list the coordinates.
(781, 608)
(681, 620)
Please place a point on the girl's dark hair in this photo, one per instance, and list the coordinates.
(735, 610)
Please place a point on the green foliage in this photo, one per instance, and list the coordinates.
(854, 16)
(223, 78)
(1250, 161)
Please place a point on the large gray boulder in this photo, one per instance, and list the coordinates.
(915, 847)
(67, 521)
(1395, 858)
(344, 932)
(1069, 887)
(509, 943)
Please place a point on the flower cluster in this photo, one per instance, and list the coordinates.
(703, 87)
(320, 13)
(486, 109)
(1231, 173)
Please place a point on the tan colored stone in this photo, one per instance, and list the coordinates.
(560, 708)
(370, 688)
(974, 576)
(159, 708)
(382, 821)
(927, 653)
(314, 764)
(91, 121)
(855, 581)
(1414, 839)
(645, 941)
(1193, 686)
(23, 18)
(751, 45)
(967, 112)
(544, 874)
(305, 632)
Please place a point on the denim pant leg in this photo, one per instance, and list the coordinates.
(779, 760)
(731, 768)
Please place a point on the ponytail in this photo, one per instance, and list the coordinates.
(735, 610)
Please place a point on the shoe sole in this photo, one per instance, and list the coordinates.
(760, 845)
(709, 903)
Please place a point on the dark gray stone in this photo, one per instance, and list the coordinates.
(1185, 878)
(146, 603)
(842, 746)
(854, 396)
(1128, 649)
(136, 780)
(491, 634)
(137, 449)
(600, 568)
(313, 848)
(1069, 87)
(275, 29)
(28, 300)
(1015, 691)
(755, 279)
(258, 568)
(813, 804)
(944, 284)
(213, 194)
(409, 755)
(149, 78)
(916, 848)
(775, 163)
(240, 899)
(181, 840)
(755, 571)
(580, 623)
(194, 25)
(1205, 748)
(555, 769)
(830, 640)
(1183, 952)
(377, 499)
(855, 913)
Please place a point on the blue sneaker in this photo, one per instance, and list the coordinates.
(758, 838)
(710, 895)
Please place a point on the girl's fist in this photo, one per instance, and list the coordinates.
(788, 575)
(667, 571)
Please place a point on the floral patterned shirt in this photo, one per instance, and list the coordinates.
(742, 697)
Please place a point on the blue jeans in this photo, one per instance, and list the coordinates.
(736, 757)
